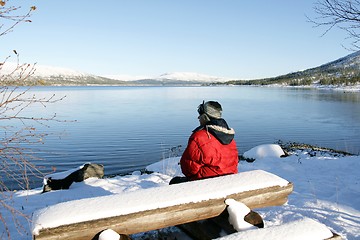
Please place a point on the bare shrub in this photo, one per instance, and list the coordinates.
(19, 126)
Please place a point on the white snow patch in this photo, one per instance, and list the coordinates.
(237, 212)
(264, 151)
(109, 234)
(298, 230)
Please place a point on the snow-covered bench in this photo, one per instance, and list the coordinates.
(159, 207)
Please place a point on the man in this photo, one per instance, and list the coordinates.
(211, 149)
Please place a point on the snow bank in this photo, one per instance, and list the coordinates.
(298, 230)
(264, 151)
(160, 197)
(326, 189)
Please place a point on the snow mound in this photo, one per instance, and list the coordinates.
(237, 212)
(305, 228)
(109, 234)
(264, 151)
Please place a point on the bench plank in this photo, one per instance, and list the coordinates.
(176, 212)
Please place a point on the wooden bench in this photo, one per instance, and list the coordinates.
(159, 207)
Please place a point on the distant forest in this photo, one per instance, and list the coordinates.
(306, 78)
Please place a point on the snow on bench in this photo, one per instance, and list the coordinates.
(155, 208)
(305, 228)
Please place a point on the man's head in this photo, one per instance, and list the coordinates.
(208, 110)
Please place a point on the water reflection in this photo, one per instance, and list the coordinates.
(127, 128)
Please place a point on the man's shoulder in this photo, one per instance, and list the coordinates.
(202, 136)
(198, 134)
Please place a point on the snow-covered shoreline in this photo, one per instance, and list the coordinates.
(326, 189)
(343, 88)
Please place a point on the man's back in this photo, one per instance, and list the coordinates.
(205, 156)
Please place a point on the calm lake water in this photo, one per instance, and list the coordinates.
(127, 128)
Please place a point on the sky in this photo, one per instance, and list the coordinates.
(232, 39)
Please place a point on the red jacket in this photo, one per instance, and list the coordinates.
(209, 155)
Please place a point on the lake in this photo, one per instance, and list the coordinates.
(128, 128)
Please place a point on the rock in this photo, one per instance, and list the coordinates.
(65, 179)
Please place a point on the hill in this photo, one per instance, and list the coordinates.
(343, 71)
(47, 76)
(172, 78)
(27, 75)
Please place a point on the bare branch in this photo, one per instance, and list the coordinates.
(21, 127)
(344, 14)
(10, 13)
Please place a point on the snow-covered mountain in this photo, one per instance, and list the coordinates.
(41, 70)
(335, 72)
(48, 75)
(124, 77)
(351, 61)
(343, 71)
(190, 76)
(173, 77)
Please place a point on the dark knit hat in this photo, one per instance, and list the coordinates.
(211, 108)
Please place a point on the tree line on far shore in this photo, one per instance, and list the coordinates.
(306, 78)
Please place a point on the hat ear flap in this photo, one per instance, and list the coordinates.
(204, 118)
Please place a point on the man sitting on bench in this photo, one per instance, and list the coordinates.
(211, 149)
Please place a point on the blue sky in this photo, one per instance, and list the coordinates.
(232, 38)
